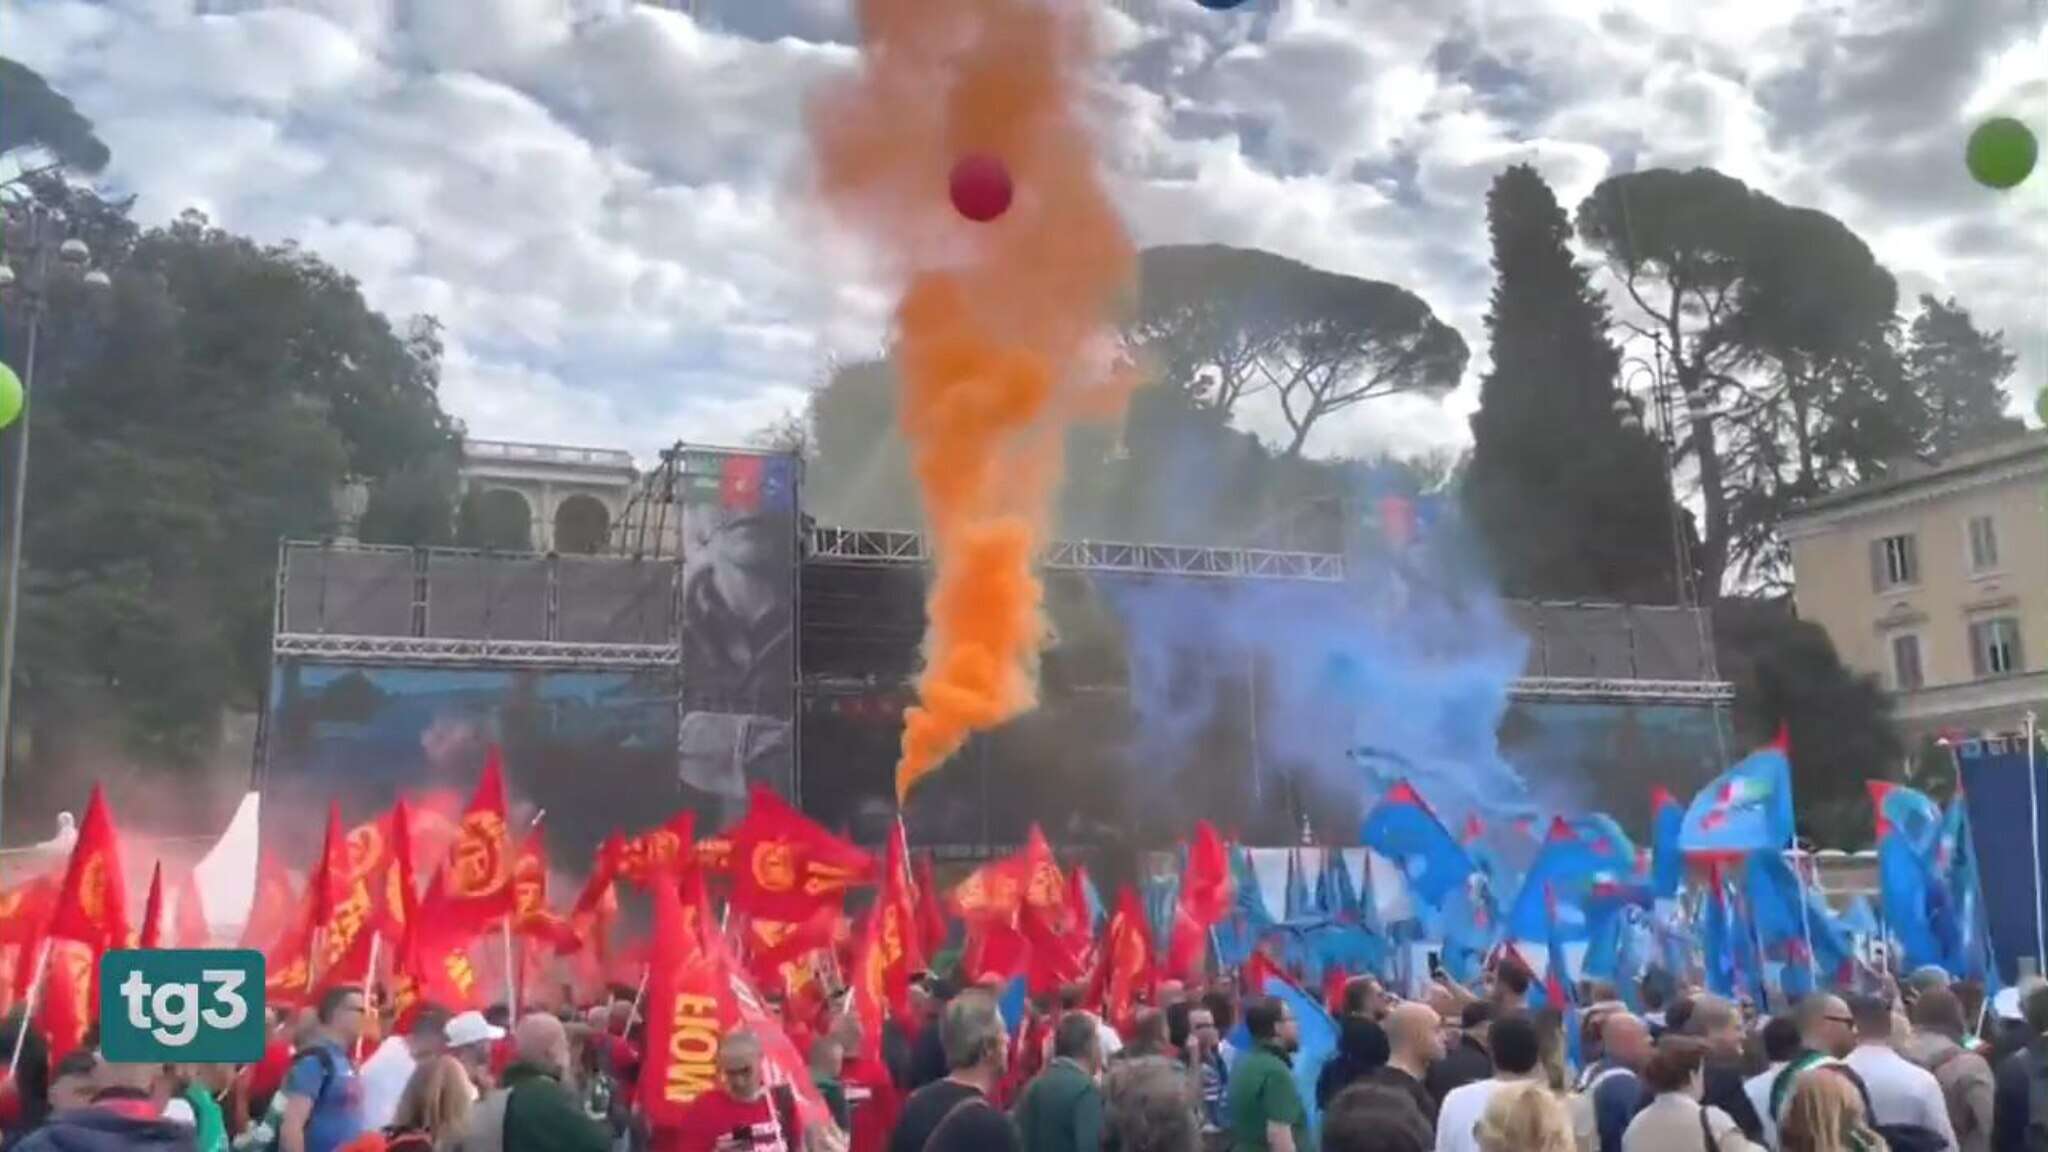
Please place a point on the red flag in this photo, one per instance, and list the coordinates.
(893, 923)
(1205, 894)
(1125, 969)
(401, 894)
(478, 873)
(685, 1017)
(270, 912)
(152, 933)
(24, 913)
(600, 886)
(70, 981)
(432, 962)
(323, 886)
(785, 866)
(931, 910)
(188, 914)
(531, 917)
(92, 906)
(288, 965)
(871, 986)
(640, 857)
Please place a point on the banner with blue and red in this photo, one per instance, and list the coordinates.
(1746, 809)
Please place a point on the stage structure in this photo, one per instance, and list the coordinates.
(725, 639)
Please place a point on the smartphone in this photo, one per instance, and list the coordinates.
(1436, 965)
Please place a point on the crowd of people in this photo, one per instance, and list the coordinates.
(1456, 1071)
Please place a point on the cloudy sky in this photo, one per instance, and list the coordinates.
(603, 201)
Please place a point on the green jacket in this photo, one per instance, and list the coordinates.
(1262, 1092)
(541, 1115)
(1061, 1110)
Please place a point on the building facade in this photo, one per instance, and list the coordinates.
(568, 497)
(1935, 581)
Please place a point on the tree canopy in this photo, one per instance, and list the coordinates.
(1572, 501)
(39, 117)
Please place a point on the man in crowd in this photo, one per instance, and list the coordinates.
(531, 1110)
(1061, 1109)
(1517, 1057)
(1511, 980)
(1614, 1085)
(1965, 1078)
(1374, 1118)
(1781, 1044)
(1204, 1051)
(123, 1113)
(473, 1040)
(384, 1074)
(1471, 1060)
(954, 1114)
(1415, 1043)
(2014, 1097)
(1902, 1094)
(1266, 1110)
(323, 1101)
(872, 1102)
(740, 1114)
(1718, 1023)
(1827, 1033)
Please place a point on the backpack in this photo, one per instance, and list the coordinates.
(263, 1136)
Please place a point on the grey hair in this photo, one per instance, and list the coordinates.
(740, 1041)
(973, 1025)
(1149, 1106)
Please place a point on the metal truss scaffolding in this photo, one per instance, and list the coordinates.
(869, 546)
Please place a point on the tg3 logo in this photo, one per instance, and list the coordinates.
(182, 1005)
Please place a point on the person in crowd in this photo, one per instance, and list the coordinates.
(323, 1103)
(1780, 1045)
(1376, 1118)
(928, 1051)
(1517, 1059)
(1264, 1103)
(188, 1100)
(74, 1080)
(828, 1071)
(431, 1113)
(1363, 999)
(1146, 1109)
(389, 1069)
(2014, 1097)
(1656, 990)
(872, 1101)
(29, 1089)
(1061, 1109)
(1471, 1059)
(1202, 1050)
(532, 1110)
(1824, 1112)
(1362, 1049)
(1148, 1036)
(1511, 980)
(1827, 1033)
(1523, 1117)
(1676, 1116)
(472, 1039)
(1222, 1006)
(1414, 1045)
(740, 1114)
(1903, 1095)
(953, 1114)
(1678, 1012)
(123, 1114)
(1613, 1090)
(1717, 1023)
(1967, 1085)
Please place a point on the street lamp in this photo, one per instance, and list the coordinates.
(39, 251)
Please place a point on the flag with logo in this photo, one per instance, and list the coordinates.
(1746, 809)
(1403, 828)
(744, 483)
(784, 866)
(478, 870)
(532, 919)
(1125, 972)
(92, 904)
(641, 857)
(271, 911)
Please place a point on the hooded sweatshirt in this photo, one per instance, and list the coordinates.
(1362, 1049)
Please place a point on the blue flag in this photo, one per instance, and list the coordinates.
(1746, 809)
(1402, 828)
(1667, 861)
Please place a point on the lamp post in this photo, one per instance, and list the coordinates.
(39, 246)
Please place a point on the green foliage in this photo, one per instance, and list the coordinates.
(1222, 323)
(39, 117)
(215, 400)
(1959, 373)
(1786, 671)
(1572, 503)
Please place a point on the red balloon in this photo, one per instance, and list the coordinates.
(981, 188)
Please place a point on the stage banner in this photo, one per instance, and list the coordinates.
(2008, 801)
(740, 548)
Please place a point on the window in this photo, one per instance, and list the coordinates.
(1894, 562)
(1906, 672)
(1995, 647)
(1983, 544)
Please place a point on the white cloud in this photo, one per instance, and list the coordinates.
(603, 201)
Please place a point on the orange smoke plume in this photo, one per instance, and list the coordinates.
(1001, 327)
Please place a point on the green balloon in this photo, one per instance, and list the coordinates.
(11, 395)
(2001, 152)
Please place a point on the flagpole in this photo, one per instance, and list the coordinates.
(1800, 859)
(2034, 822)
(639, 994)
(369, 990)
(28, 1004)
(511, 972)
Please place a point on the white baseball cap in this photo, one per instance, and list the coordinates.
(468, 1028)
